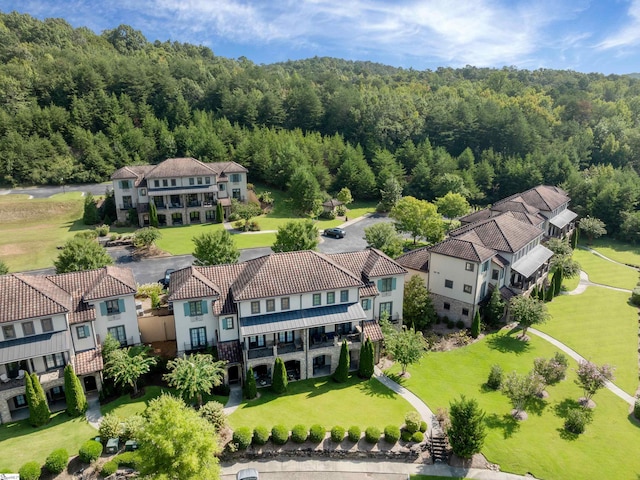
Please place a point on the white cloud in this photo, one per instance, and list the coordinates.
(629, 35)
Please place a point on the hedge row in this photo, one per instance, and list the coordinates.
(126, 459)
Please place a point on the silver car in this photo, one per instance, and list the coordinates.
(247, 474)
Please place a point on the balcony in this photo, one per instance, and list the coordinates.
(349, 337)
(176, 205)
(189, 347)
(253, 353)
(194, 204)
(286, 348)
(44, 378)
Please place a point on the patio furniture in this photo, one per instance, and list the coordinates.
(21, 374)
(4, 378)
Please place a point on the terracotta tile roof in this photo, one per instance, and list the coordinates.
(223, 168)
(28, 296)
(189, 282)
(372, 330)
(464, 249)
(514, 204)
(506, 293)
(89, 361)
(543, 197)
(184, 167)
(478, 216)
(230, 351)
(223, 276)
(370, 262)
(91, 285)
(369, 290)
(133, 171)
(417, 259)
(500, 260)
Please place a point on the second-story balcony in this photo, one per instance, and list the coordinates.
(261, 352)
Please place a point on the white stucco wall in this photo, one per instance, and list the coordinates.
(184, 323)
(128, 318)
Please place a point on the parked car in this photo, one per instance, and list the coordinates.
(247, 474)
(167, 276)
(335, 232)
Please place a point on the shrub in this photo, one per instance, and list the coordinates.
(337, 434)
(57, 460)
(450, 324)
(242, 437)
(131, 426)
(30, 471)
(354, 433)
(341, 210)
(576, 421)
(635, 296)
(636, 409)
(317, 433)
(372, 434)
(128, 459)
(233, 217)
(417, 437)
(109, 468)
(299, 434)
(253, 226)
(213, 412)
(494, 381)
(110, 427)
(423, 426)
(391, 434)
(412, 421)
(460, 324)
(405, 435)
(90, 451)
(238, 225)
(279, 434)
(260, 435)
(328, 215)
(102, 230)
(438, 320)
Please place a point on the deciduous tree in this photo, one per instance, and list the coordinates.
(296, 235)
(418, 218)
(384, 236)
(125, 367)
(145, 237)
(417, 308)
(521, 389)
(246, 211)
(195, 375)
(81, 253)
(215, 248)
(452, 205)
(466, 431)
(592, 377)
(592, 227)
(528, 311)
(406, 346)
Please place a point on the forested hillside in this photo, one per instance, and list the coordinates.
(74, 106)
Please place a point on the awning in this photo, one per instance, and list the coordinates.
(299, 319)
(34, 346)
(563, 218)
(532, 261)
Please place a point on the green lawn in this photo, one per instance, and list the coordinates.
(569, 284)
(605, 272)
(357, 402)
(21, 443)
(601, 326)
(618, 251)
(539, 444)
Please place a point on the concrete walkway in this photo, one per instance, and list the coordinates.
(585, 282)
(94, 416)
(234, 401)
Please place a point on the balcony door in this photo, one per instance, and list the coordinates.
(198, 337)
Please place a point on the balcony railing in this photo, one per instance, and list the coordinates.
(261, 352)
(43, 377)
(194, 204)
(189, 347)
(175, 205)
(285, 348)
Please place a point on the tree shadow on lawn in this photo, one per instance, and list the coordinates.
(374, 388)
(536, 406)
(506, 343)
(562, 410)
(506, 423)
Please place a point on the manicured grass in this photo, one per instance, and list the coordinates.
(21, 443)
(538, 445)
(429, 477)
(30, 230)
(601, 326)
(605, 272)
(616, 250)
(569, 284)
(179, 240)
(356, 402)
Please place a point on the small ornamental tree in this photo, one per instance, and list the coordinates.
(246, 211)
(250, 387)
(476, 325)
(367, 360)
(279, 381)
(215, 248)
(145, 237)
(592, 227)
(341, 374)
(521, 389)
(467, 430)
(195, 375)
(528, 311)
(406, 346)
(592, 378)
(551, 370)
(125, 367)
(74, 393)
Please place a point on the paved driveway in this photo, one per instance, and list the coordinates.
(354, 239)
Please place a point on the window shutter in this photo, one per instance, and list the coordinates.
(393, 284)
(204, 307)
(380, 284)
(187, 310)
(103, 308)
(86, 330)
(121, 305)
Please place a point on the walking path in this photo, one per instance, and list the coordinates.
(235, 399)
(585, 282)
(94, 416)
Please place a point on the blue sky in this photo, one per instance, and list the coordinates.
(586, 36)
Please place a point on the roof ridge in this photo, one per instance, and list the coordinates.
(21, 277)
(337, 265)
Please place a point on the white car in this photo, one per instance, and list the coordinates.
(247, 474)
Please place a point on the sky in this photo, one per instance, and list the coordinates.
(586, 36)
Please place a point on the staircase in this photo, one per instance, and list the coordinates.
(438, 446)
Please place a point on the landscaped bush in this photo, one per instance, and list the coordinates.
(576, 421)
(354, 433)
(214, 413)
(279, 434)
(131, 426)
(341, 210)
(460, 324)
(494, 381)
(635, 296)
(110, 427)
(299, 434)
(337, 434)
(30, 471)
(90, 451)
(636, 409)
(391, 434)
(372, 434)
(109, 468)
(412, 421)
(317, 433)
(254, 226)
(405, 435)
(423, 426)
(260, 435)
(417, 437)
(147, 289)
(128, 459)
(451, 324)
(328, 215)
(57, 460)
(102, 230)
(242, 437)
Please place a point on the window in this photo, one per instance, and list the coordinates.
(82, 331)
(165, 183)
(483, 290)
(199, 180)
(331, 297)
(192, 181)
(20, 401)
(198, 337)
(343, 328)
(235, 193)
(285, 337)
(156, 183)
(447, 306)
(485, 266)
(227, 323)
(195, 308)
(118, 333)
(386, 284)
(469, 267)
(173, 182)
(235, 178)
(255, 307)
(54, 361)
(366, 303)
(125, 184)
(47, 325)
(27, 329)
(344, 296)
(386, 307)
(143, 192)
(271, 305)
(207, 180)
(284, 303)
(222, 187)
(494, 274)
(256, 341)
(210, 215)
(465, 312)
(8, 332)
(467, 289)
(316, 299)
(127, 202)
(112, 306)
(448, 283)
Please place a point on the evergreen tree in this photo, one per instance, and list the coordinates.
(32, 400)
(73, 393)
(219, 213)
(534, 291)
(495, 308)
(153, 215)
(556, 282)
(574, 239)
(548, 294)
(467, 430)
(475, 325)
(279, 381)
(366, 367)
(250, 387)
(91, 215)
(341, 374)
(41, 412)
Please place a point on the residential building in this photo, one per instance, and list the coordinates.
(184, 190)
(299, 306)
(47, 322)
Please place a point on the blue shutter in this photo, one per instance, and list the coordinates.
(121, 305)
(393, 284)
(86, 331)
(103, 308)
(204, 307)
(380, 285)
(187, 310)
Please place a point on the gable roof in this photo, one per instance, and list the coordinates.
(189, 282)
(417, 259)
(179, 167)
(370, 262)
(26, 296)
(464, 249)
(543, 197)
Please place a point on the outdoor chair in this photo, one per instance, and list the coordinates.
(21, 374)
(4, 378)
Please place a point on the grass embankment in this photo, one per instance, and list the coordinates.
(616, 250)
(357, 402)
(538, 445)
(605, 272)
